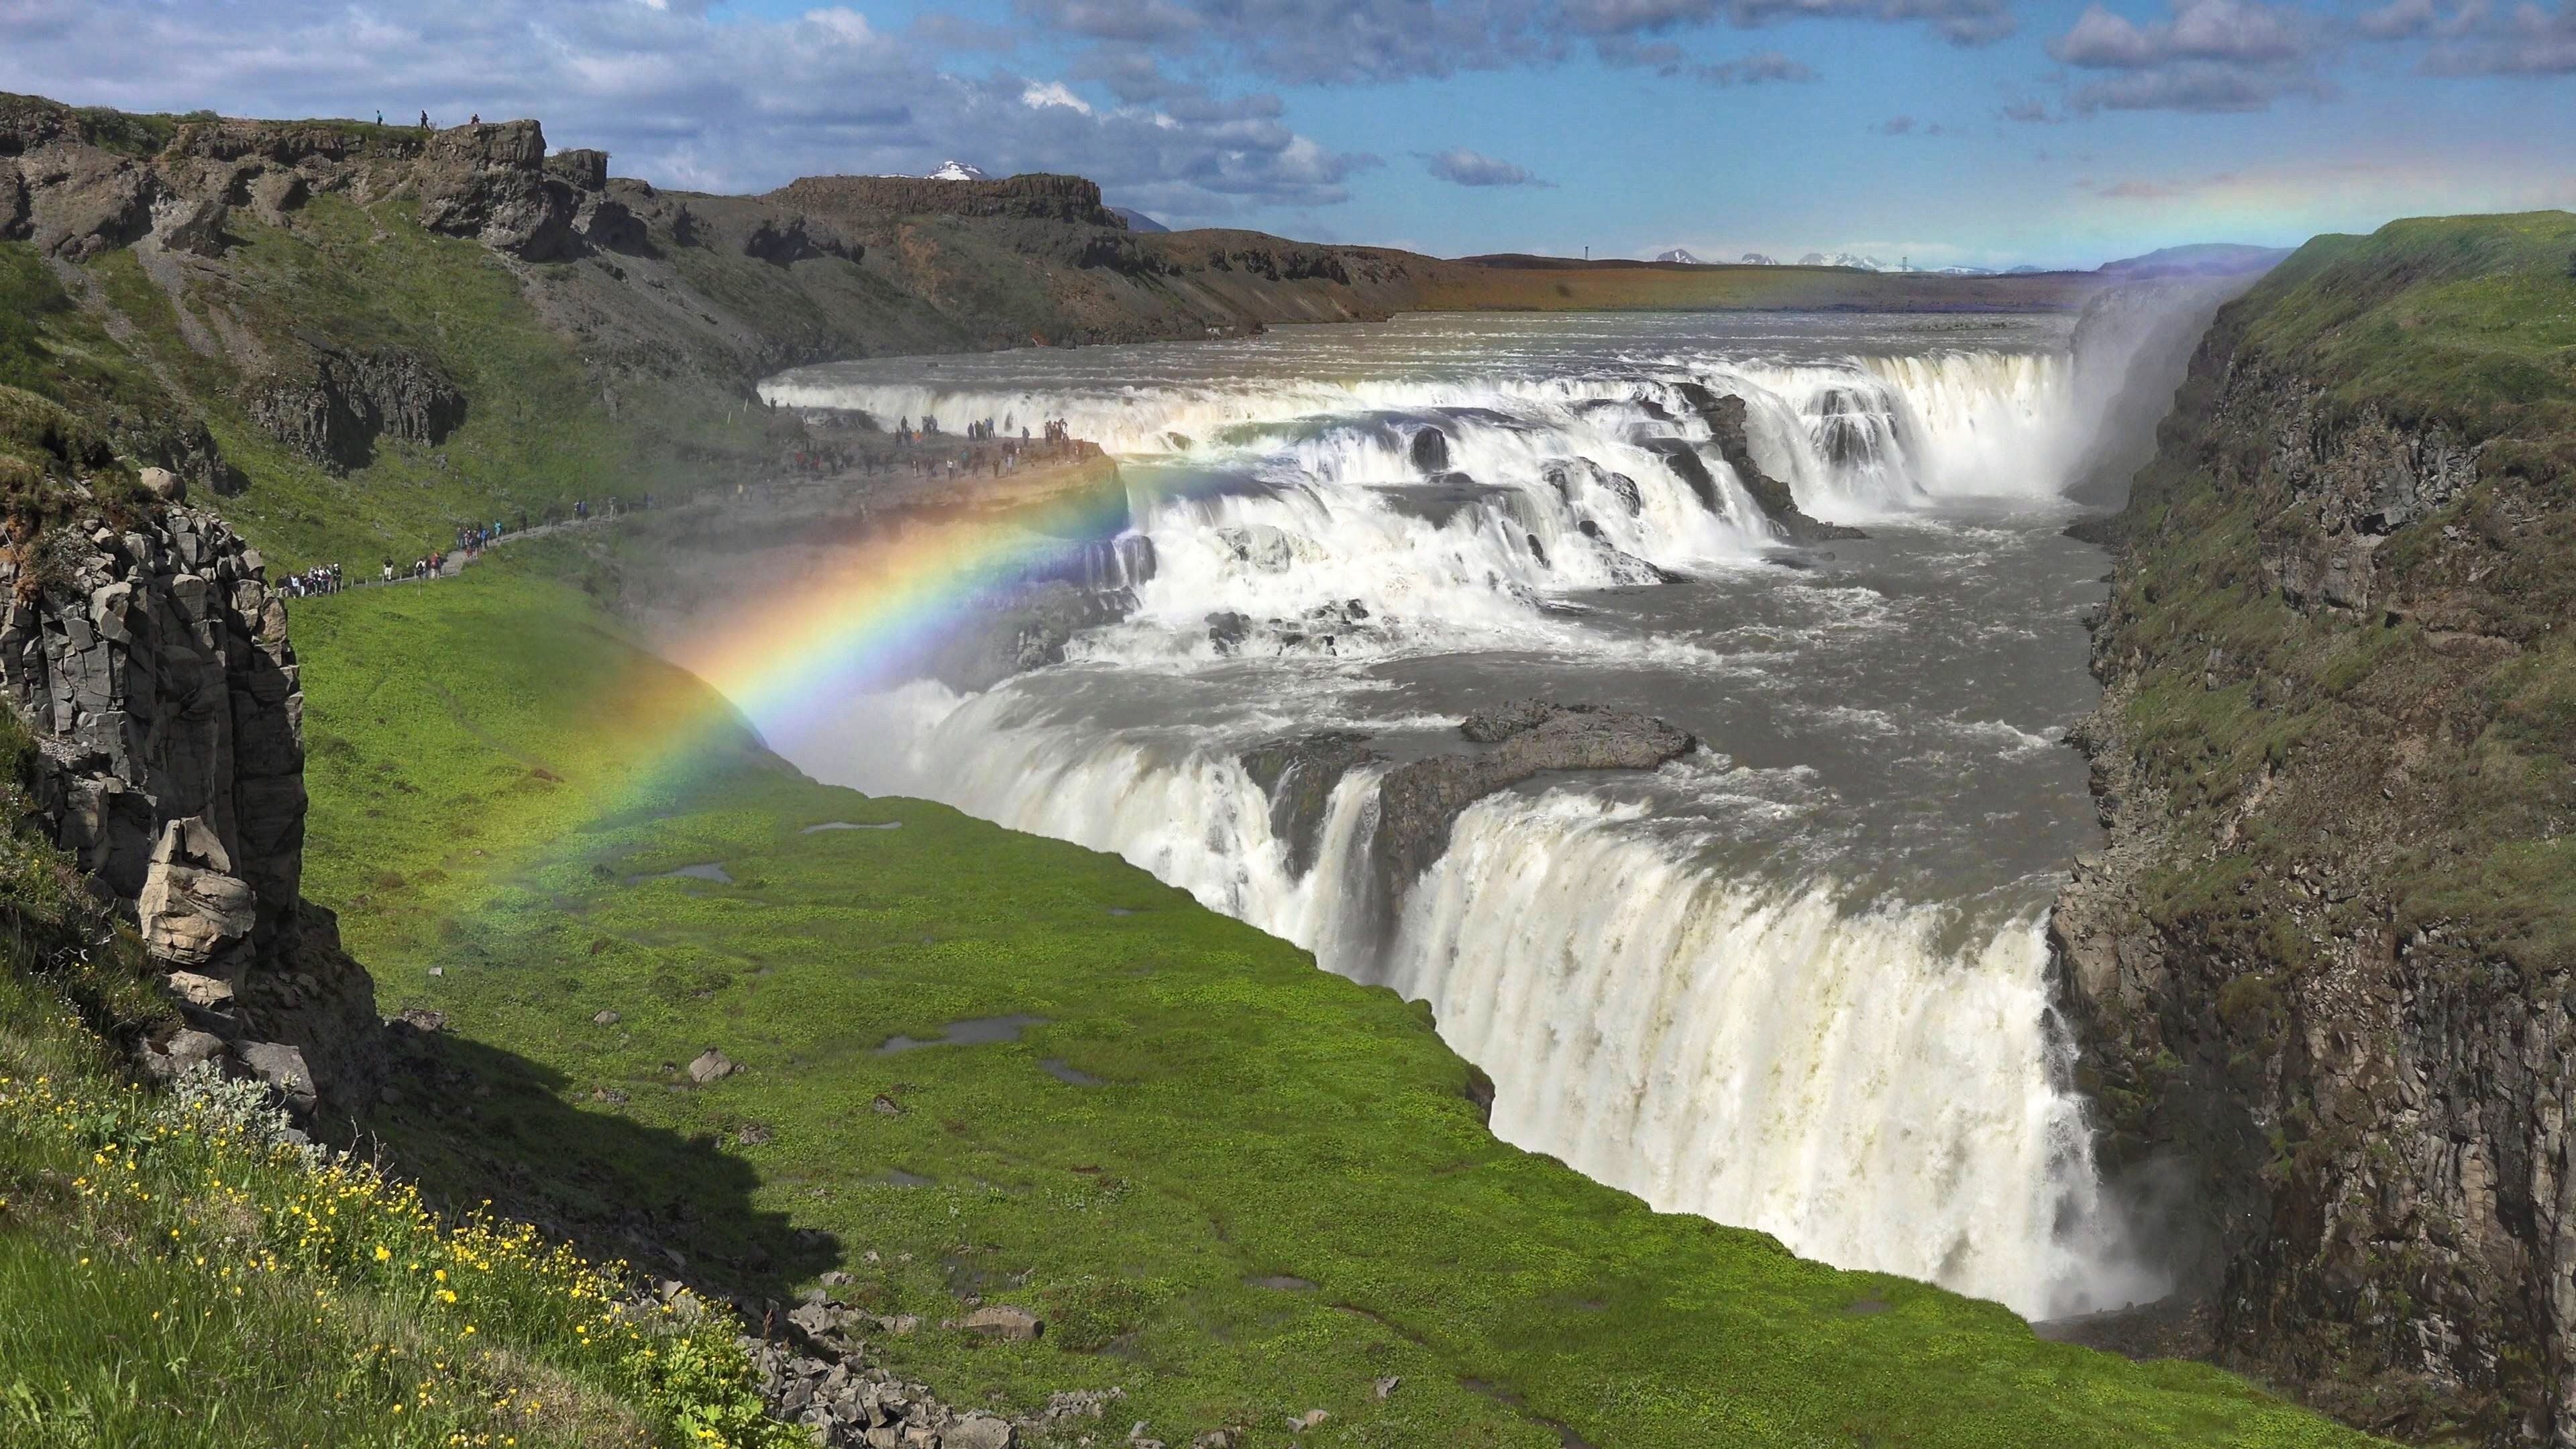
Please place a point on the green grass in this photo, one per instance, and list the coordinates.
(488, 802)
(535, 435)
(173, 1272)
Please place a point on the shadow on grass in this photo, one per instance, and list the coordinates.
(473, 1124)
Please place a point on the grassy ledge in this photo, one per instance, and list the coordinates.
(1236, 1186)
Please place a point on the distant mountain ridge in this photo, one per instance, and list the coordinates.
(2200, 259)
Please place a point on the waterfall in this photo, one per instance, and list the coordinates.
(1873, 1079)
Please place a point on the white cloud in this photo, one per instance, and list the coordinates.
(1053, 93)
(679, 94)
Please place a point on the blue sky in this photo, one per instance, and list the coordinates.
(1987, 132)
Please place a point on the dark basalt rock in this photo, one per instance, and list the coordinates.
(152, 666)
(1430, 452)
(1418, 802)
(335, 414)
(1724, 414)
(1299, 775)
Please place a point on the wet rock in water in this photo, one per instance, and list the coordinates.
(1227, 631)
(1299, 776)
(1430, 451)
(1724, 415)
(712, 1065)
(1418, 802)
(1686, 464)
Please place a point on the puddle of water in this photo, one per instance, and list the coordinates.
(901, 1178)
(1120, 911)
(708, 871)
(1282, 1283)
(851, 825)
(978, 1031)
(1057, 1069)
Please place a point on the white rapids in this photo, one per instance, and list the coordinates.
(1794, 982)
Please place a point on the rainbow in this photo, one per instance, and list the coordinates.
(785, 661)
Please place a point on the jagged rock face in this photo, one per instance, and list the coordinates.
(2341, 488)
(490, 182)
(335, 415)
(156, 669)
(2367, 1117)
(784, 241)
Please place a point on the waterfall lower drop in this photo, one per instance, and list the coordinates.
(1796, 982)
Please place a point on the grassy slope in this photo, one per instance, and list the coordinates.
(170, 1275)
(482, 804)
(2469, 323)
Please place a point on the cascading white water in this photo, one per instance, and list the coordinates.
(1677, 984)
(1762, 1056)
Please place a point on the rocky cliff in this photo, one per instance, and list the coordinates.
(2322, 973)
(142, 647)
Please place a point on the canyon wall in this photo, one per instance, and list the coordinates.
(2322, 971)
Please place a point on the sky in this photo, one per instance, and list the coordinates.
(1936, 132)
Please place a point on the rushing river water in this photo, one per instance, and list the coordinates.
(1793, 981)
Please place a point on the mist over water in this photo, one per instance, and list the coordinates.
(1794, 981)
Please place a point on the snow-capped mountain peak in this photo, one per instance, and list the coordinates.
(956, 171)
(1677, 254)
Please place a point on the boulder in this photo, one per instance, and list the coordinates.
(206, 991)
(192, 909)
(1002, 1321)
(165, 485)
(282, 1067)
(185, 1048)
(978, 1431)
(605, 1018)
(489, 182)
(712, 1065)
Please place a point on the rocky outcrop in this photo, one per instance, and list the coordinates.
(1419, 800)
(1724, 414)
(490, 182)
(1033, 197)
(335, 413)
(152, 664)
